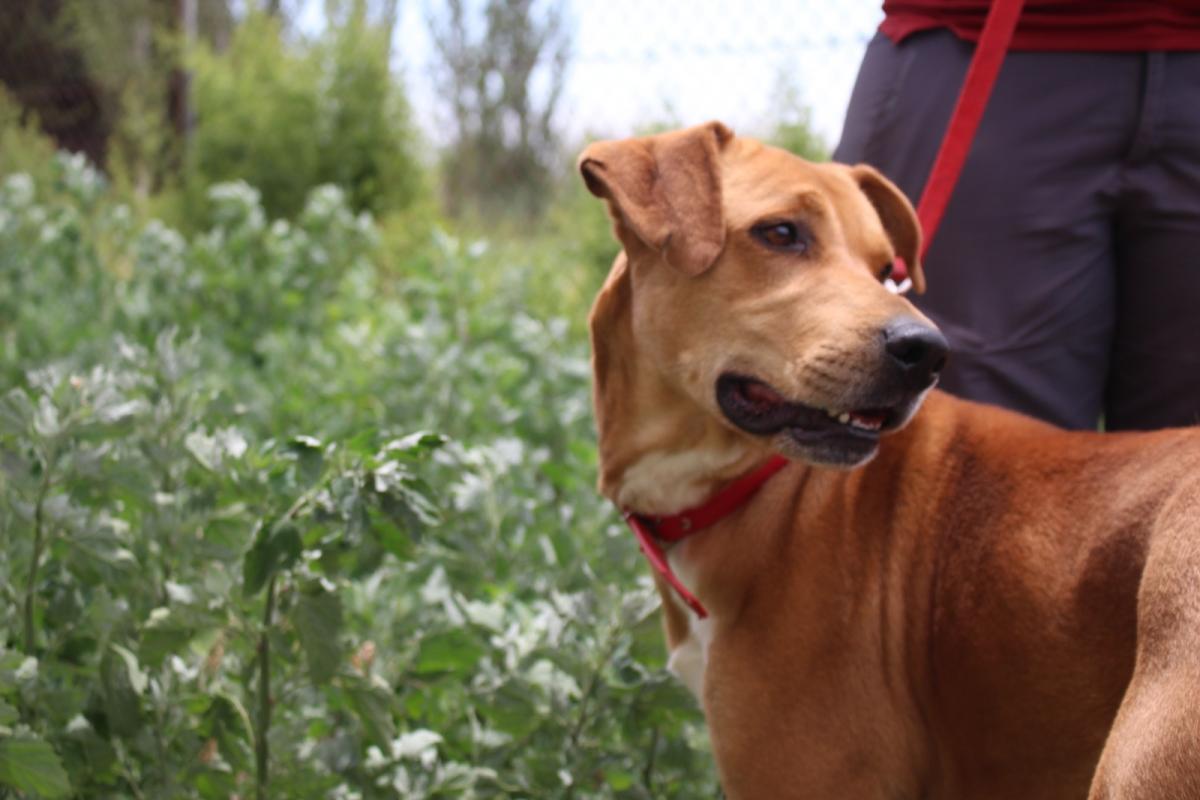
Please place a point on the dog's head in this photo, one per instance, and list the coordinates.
(757, 288)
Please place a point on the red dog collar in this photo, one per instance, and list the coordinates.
(649, 530)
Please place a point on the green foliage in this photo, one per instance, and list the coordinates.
(130, 52)
(366, 137)
(288, 117)
(791, 127)
(31, 766)
(578, 227)
(23, 148)
(796, 135)
(256, 114)
(226, 565)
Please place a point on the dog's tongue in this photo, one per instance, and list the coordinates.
(763, 397)
(869, 419)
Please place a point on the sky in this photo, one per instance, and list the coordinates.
(641, 62)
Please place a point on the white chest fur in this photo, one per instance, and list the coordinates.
(669, 482)
(689, 658)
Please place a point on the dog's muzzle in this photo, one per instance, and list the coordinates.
(844, 430)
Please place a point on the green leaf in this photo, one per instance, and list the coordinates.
(415, 444)
(226, 533)
(226, 719)
(395, 539)
(420, 505)
(510, 709)
(456, 651)
(28, 765)
(137, 677)
(215, 450)
(168, 630)
(272, 552)
(46, 420)
(373, 705)
(317, 616)
(618, 779)
(309, 456)
(16, 412)
(121, 699)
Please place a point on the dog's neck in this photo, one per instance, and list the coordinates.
(659, 452)
(666, 477)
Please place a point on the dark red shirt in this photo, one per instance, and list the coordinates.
(1097, 25)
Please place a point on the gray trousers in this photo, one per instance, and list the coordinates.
(1066, 272)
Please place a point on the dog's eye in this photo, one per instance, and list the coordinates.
(885, 271)
(781, 236)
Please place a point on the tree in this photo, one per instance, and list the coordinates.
(104, 78)
(48, 76)
(502, 88)
(368, 142)
(129, 52)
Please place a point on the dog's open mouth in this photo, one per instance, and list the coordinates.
(841, 435)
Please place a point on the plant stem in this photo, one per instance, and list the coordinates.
(38, 545)
(262, 748)
(581, 720)
(131, 782)
(648, 769)
(584, 715)
(262, 751)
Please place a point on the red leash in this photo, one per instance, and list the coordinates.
(973, 98)
(649, 530)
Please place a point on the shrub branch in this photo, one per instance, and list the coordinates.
(262, 751)
(38, 545)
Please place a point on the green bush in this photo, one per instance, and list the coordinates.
(231, 562)
(367, 140)
(578, 225)
(256, 111)
(794, 133)
(130, 51)
(287, 117)
(791, 124)
(23, 147)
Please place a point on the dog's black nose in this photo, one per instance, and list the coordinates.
(917, 349)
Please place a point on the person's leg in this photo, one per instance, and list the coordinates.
(1021, 272)
(1155, 374)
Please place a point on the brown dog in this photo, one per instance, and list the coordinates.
(983, 607)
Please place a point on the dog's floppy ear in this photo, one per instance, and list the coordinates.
(898, 218)
(665, 190)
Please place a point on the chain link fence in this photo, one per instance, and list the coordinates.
(641, 63)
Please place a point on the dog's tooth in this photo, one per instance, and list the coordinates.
(844, 417)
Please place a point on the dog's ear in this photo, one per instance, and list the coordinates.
(665, 190)
(898, 218)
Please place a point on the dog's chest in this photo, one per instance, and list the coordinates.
(689, 658)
